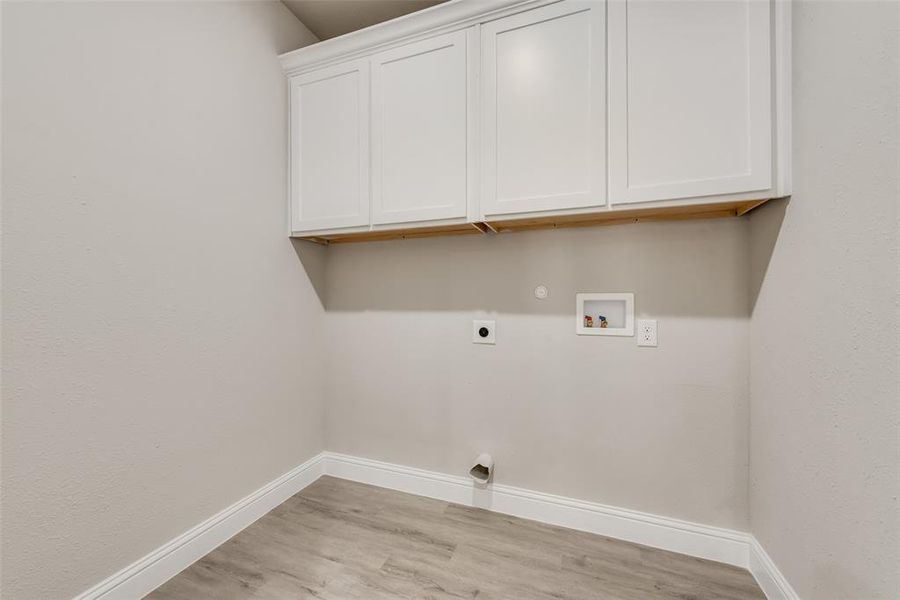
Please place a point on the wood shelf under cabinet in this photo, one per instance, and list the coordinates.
(610, 217)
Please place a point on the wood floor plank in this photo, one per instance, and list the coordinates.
(340, 540)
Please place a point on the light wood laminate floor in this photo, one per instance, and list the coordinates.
(340, 540)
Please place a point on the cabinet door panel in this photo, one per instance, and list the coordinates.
(330, 148)
(544, 109)
(420, 106)
(690, 98)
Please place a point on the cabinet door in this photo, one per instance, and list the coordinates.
(330, 147)
(420, 131)
(689, 98)
(544, 109)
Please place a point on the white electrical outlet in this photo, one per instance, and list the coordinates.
(484, 332)
(646, 332)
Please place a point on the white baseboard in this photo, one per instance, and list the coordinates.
(770, 580)
(713, 543)
(145, 575)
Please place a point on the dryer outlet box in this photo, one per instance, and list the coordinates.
(484, 332)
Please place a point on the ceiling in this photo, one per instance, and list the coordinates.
(331, 18)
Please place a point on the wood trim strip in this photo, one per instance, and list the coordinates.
(718, 210)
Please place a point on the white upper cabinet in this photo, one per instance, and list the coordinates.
(690, 99)
(544, 109)
(519, 113)
(330, 147)
(422, 96)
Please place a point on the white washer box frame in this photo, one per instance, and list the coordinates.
(626, 297)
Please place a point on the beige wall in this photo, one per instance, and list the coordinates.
(825, 367)
(159, 331)
(660, 430)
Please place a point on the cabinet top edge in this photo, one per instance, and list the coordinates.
(454, 14)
